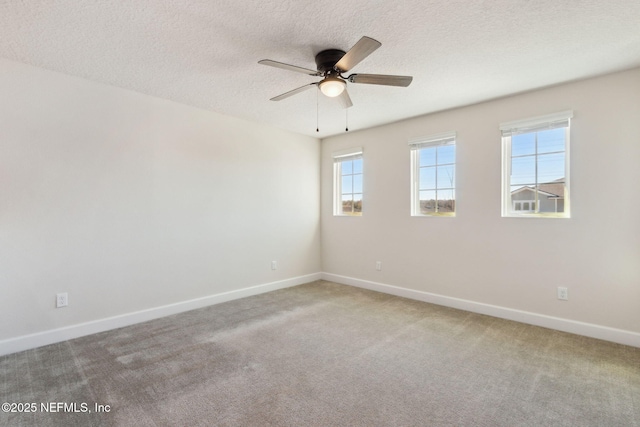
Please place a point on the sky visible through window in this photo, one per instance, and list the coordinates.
(351, 188)
(537, 158)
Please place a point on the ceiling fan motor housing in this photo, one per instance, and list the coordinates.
(327, 59)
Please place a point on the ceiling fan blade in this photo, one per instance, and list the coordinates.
(381, 79)
(289, 67)
(345, 99)
(359, 51)
(293, 92)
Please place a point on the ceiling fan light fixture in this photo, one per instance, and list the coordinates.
(332, 86)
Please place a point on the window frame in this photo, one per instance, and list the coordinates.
(526, 126)
(338, 158)
(415, 146)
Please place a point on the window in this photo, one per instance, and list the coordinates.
(433, 175)
(524, 205)
(347, 182)
(535, 166)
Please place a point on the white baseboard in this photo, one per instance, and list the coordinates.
(619, 336)
(26, 342)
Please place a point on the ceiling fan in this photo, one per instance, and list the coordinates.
(332, 63)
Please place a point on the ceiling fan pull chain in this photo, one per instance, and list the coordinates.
(346, 112)
(317, 113)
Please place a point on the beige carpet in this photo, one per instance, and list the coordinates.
(324, 354)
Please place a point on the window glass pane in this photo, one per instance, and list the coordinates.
(523, 170)
(446, 200)
(520, 193)
(550, 204)
(552, 189)
(427, 202)
(538, 175)
(427, 178)
(551, 197)
(435, 180)
(551, 140)
(347, 184)
(428, 156)
(347, 204)
(550, 167)
(357, 183)
(357, 202)
(347, 167)
(446, 176)
(357, 166)
(523, 144)
(446, 205)
(446, 154)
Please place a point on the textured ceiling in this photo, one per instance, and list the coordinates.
(206, 53)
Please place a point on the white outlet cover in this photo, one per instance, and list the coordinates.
(62, 300)
(563, 293)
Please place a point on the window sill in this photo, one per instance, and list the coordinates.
(538, 215)
(435, 215)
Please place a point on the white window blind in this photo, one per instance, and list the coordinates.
(348, 154)
(536, 124)
(445, 138)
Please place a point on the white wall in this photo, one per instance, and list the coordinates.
(479, 256)
(129, 202)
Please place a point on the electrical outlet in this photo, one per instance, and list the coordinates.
(379, 265)
(62, 300)
(563, 293)
(274, 265)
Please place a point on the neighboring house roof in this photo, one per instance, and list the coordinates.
(555, 187)
(522, 189)
(550, 189)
